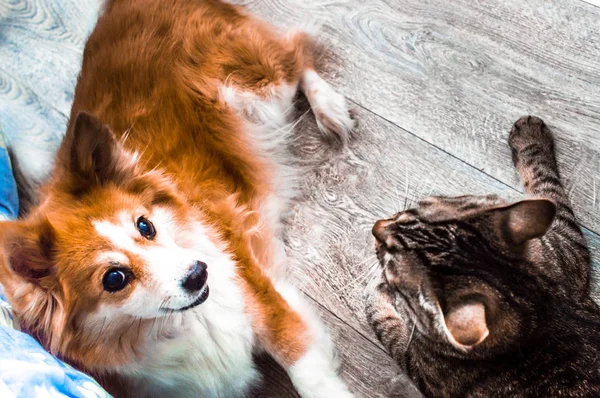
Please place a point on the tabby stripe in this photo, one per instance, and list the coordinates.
(551, 190)
(571, 223)
(548, 179)
(539, 173)
(531, 150)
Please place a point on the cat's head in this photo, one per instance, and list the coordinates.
(462, 268)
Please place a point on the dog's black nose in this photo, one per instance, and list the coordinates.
(196, 278)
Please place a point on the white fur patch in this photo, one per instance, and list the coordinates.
(166, 263)
(269, 129)
(112, 257)
(330, 108)
(315, 374)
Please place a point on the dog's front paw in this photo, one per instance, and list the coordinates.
(332, 115)
(330, 108)
(325, 388)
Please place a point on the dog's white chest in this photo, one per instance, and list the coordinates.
(208, 353)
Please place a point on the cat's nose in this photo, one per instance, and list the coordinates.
(197, 277)
(380, 230)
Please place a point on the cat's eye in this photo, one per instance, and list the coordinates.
(146, 228)
(406, 217)
(116, 279)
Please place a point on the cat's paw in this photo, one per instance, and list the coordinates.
(400, 386)
(378, 293)
(529, 130)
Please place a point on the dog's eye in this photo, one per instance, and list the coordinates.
(115, 279)
(146, 228)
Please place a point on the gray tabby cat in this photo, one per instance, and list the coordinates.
(481, 298)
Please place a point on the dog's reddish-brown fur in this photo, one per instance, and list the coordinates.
(163, 102)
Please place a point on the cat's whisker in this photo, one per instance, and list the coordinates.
(367, 274)
(398, 201)
(361, 277)
(412, 334)
(594, 194)
(406, 186)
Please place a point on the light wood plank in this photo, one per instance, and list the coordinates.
(593, 2)
(594, 245)
(459, 73)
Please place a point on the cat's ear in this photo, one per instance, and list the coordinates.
(525, 220)
(466, 323)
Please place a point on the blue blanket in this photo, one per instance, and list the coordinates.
(26, 369)
(9, 200)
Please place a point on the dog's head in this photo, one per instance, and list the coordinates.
(109, 244)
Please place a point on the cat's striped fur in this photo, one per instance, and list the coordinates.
(478, 297)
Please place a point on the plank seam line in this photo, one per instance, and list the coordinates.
(360, 333)
(592, 4)
(582, 225)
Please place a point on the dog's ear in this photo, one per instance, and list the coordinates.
(28, 249)
(94, 156)
(28, 276)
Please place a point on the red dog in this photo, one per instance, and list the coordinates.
(169, 180)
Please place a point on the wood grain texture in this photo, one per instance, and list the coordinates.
(458, 74)
(385, 169)
(436, 87)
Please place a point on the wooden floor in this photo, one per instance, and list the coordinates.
(435, 86)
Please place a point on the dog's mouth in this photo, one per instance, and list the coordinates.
(201, 299)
